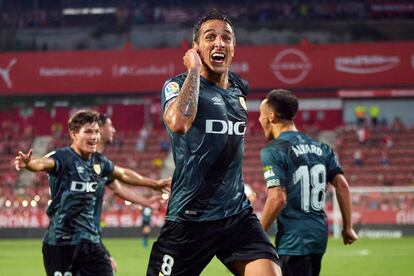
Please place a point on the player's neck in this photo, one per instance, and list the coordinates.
(279, 128)
(84, 155)
(219, 79)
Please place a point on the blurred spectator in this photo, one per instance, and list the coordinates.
(374, 112)
(388, 141)
(142, 138)
(360, 111)
(384, 159)
(56, 130)
(397, 125)
(164, 145)
(362, 135)
(358, 158)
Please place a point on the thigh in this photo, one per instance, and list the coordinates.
(93, 260)
(182, 249)
(316, 260)
(245, 241)
(297, 265)
(59, 260)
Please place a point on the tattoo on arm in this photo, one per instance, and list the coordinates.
(188, 98)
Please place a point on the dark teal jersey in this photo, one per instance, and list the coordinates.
(207, 182)
(100, 193)
(74, 183)
(303, 167)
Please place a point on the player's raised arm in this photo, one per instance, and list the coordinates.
(26, 161)
(345, 205)
(180, 114)
(129, 194)
(132, 178)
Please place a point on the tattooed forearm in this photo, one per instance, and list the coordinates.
(187, 101)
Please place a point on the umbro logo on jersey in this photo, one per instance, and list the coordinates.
(80, 169)
(217, 101)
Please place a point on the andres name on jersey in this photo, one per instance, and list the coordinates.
(225, 127)
(86, 187)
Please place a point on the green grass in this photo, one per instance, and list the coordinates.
(379, 257)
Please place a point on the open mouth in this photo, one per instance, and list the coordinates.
(92, 144)
(218, 57)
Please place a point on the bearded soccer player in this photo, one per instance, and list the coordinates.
(71, 243)
(208, 212)
(297, 170)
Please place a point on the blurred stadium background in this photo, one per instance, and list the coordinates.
(351, 63)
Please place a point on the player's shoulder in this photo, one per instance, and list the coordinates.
(274, 147)
(327, 149)
(60, 152)
(172, 86)
(241, 83)
(179, 79)
(99, 157)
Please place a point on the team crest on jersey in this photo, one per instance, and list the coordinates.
(97, 168)
(171, 90)
(243, 102)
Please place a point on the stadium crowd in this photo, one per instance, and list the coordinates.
(149, 159)
(50, 14)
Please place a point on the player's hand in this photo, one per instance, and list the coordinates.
(22, 159)
(349, 236)
(192, 59)
(113, 264)
(155, 202)
(164, 185)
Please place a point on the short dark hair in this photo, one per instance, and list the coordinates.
(284, 103)
(212, 15)
(81, 118)
(102, 119)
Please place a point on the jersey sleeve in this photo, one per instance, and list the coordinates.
(107, 166)
(273, 171)
(333, 167)
(170, 90)
(59, 159)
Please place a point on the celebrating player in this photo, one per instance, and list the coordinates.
(72, 243)
(297, 170)
(208, 213)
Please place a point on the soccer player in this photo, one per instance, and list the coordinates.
(297, 170)
(72, 243)
(208, 212)
(146, 225)
(107, 131)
